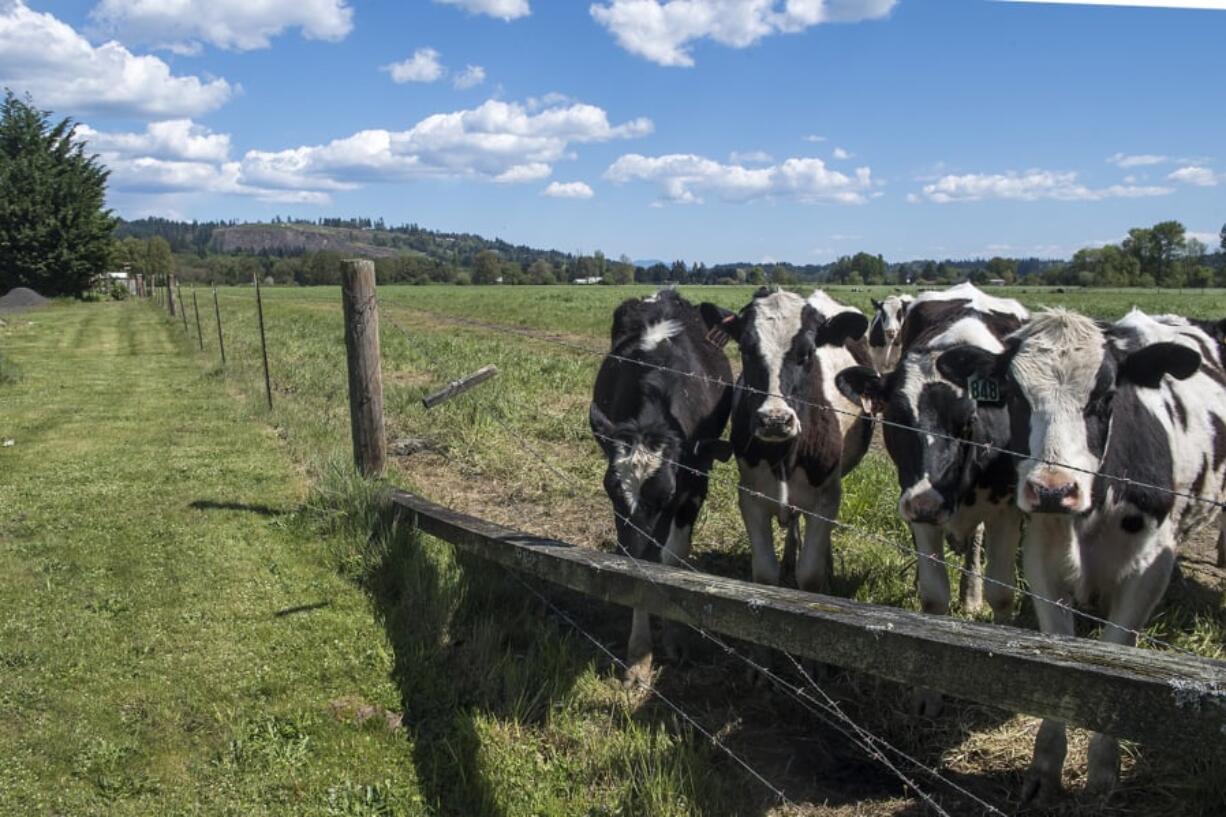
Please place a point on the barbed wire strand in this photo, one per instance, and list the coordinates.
(912, 551)
(867, 741)
(740, 386)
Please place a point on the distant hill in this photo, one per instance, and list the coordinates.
(360, 236)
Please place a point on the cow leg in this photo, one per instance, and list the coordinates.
(1045, 553)
(933, 581)
(791, 544)
(970, 582)
(1221, 541)
(638, 655)
(1001, 536)
(1131, 606)
(676, 553)
(815, 565)
(757, 518)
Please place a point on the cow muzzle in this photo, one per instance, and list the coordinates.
(923, 507)
(1052, 492)
(776, 424)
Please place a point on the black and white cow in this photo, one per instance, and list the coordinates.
(949, 488)
(1143, 399)
(647, 419)
(791, 447)
(885, 331)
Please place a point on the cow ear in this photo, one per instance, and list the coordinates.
(876, 304)
(715, 449)
(1221, 330)
(601, 425)
(960, 364)
(863, 386)
(722, 324)
(841, 328)
(1145, 367)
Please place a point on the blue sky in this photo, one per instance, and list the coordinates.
(708, 130)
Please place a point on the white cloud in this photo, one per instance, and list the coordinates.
(1195, 174)
(182, 157)
(1203, 5)
(496, 141)
(1211, 240)
(530, 172)
(683, 177)
(240, 25)
(568, 190)
(841, 154)
(1031, 185)
(502, 9)
(750, 157)
(813, 137)
(171, 139)
(1125, 160)
(471, 75)
(664, 32)
(423, 66)
(48, 59)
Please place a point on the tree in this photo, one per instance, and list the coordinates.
(55, 232)
(1002, 268)
(486, 267)
(1222, 239)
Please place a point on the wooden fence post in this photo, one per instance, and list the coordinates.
(170, 296)
(196, 308)
(182, 311)
(362, 356)
(221, 343)
(259, 306)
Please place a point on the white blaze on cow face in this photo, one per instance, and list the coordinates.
(776, 321)
(1056, 369)
(657, 333)
(633, 466)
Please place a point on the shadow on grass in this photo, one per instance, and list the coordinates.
(259, 510)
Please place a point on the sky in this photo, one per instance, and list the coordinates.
(705, 130)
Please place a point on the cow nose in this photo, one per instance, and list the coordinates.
(924, 507)
(891, 335)
(1052, 495)
(776, 423)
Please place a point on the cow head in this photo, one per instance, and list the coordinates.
(643, 473)
(928, 422)
(1059, 375)
(888, 317)
(778, 334)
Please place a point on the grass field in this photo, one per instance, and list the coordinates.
(508, 711)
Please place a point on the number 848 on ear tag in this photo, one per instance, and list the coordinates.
(983, 389)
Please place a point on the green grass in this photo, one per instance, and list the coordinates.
(541, 393)
(149, 675)
(184, 627)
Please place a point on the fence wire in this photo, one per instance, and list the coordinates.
(738, 385)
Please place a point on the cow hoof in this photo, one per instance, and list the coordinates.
(926, 704)
(1040, 788)
(638, 674)
(676, 650)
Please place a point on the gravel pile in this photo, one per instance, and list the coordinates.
(20, 299)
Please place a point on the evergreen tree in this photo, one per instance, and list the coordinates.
(55, 233)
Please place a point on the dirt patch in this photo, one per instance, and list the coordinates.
(20, 299)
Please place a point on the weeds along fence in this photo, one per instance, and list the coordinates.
(1168, 697)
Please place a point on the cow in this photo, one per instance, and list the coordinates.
(793, 434)
(949, 488)
(1143, 399)
(659, 407)
(885, 330)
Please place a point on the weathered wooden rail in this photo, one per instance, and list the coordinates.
(1154, 697)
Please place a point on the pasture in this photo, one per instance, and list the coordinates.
(513, 712)
(490, 453)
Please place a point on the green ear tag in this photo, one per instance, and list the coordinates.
(983, 389)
